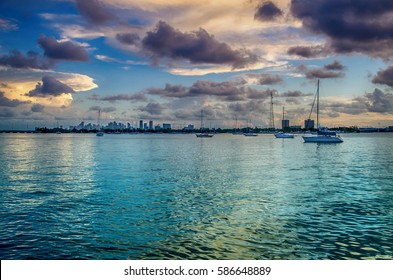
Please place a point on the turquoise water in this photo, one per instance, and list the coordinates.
(75, 196)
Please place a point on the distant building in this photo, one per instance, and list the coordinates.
(284, 124)
(166, 126)
(145, 127)
(308, 124)
(295, 127)
(157, 127)
(190, 127)
(150, 125)
(141, 124)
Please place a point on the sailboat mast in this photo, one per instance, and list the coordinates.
(201, 119)
(283, 114)
(271, 111)
(318, 106)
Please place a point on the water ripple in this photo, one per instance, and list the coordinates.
(179, 197)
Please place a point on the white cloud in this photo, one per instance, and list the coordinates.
(77, 82)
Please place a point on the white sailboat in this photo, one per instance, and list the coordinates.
(237, 131)
(249, 133)
(323, 135)
(100, 132)
(283, 134)
(203, 134)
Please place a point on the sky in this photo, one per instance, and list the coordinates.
(62, 61)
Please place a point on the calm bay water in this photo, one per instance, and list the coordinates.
(74, 196)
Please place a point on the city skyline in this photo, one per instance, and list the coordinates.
(63, 61)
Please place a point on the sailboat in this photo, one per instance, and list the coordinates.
(58, 129)
(323, 135)
(236, 130)
(283, 134)
(203, 134)
(100, 132)
(249, 133)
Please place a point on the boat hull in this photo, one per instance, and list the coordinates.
(204, 135)
(322, 139)
(284, 135)
(250, 134)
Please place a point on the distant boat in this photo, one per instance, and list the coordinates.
(100, 132)
(236, 130)
(249, 132)
(284, 135)
(203, 134)
(323, 135)
(58, 129)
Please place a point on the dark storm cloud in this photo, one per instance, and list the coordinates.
(244, 109)
(384, 77)
(94, 12)
(36, 108)
(375, 102)
(196, 47)
(169, 91)
(294, 93)
(259, 94)
(379, 102)
(124, 97)
(153, 108)
(32, 60)
(62, 50)
(265, 79)
(50, 87)
(267, 11)
(356, 107)
(352, 26)
(128, 38)
(309, 52)
(269, 79)
(227, 91)
(335, 65)
(321, 73)
(235, 90)
(6, 102)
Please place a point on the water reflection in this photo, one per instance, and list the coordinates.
(181, 197)
(47, 184)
